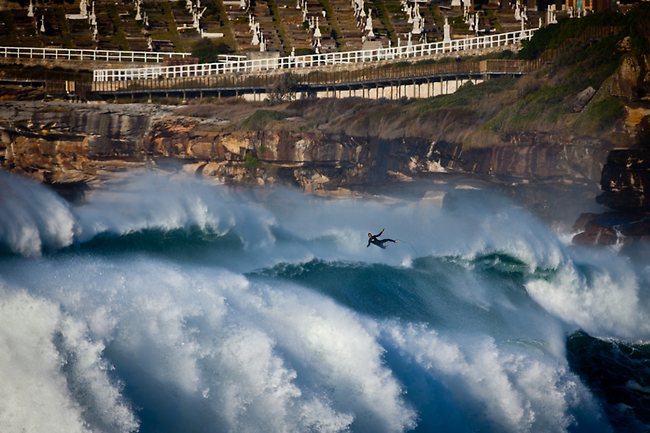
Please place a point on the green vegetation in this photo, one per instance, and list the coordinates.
(467, 95)
(118, 33)
(251, 162)
(580, 54)
(601, 114)
(383, 15)
(260, 119)
(277, 22)
(208, 51)
(335, 31)
(224, 23)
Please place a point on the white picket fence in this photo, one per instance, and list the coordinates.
(95, 55)
(314, 60)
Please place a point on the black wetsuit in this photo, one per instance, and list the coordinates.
(373, 239)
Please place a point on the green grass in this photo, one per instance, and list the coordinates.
(119, 38)
(601, 114)
(260, 119)
(466, 96)
(277, 22)
(381, 12)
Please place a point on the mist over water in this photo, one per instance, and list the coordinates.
(165, 304)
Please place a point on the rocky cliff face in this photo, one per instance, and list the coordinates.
(64, 144)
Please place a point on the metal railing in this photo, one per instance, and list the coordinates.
(370, 75)
(314, 60)
(94, 55)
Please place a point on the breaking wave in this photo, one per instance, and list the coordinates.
(164, 304)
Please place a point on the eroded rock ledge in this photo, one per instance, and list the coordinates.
(70, 144)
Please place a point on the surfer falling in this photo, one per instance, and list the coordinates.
(374, 239)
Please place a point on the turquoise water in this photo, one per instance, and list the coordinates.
(164, 304)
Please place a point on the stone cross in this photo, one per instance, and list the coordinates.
(30, 9)
(42, 29)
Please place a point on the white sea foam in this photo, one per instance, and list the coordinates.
(603, 296)
(53, 378)
(517, 392)
(201, 345)
(153, 201)
(32, 218)
(254, 355)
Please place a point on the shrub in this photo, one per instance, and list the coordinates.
(251, 162)
(260, 119)
(208, 51)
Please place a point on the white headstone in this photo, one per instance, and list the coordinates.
(42, 29)
(317, 33)
(517, 11)
(446, 31)
(368, 26)
(417, 22)
(262, 44)
(93, 17)
(30, 9)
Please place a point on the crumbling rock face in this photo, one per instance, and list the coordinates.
(88, 143)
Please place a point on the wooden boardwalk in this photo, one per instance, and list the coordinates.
(314, 81)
